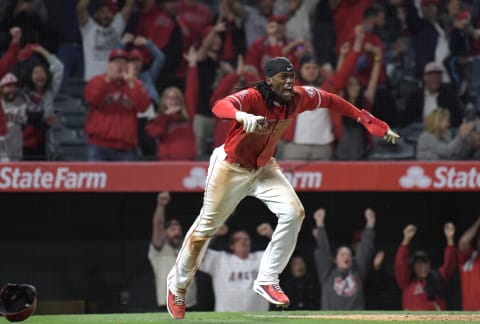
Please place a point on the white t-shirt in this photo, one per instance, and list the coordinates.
(314, 127)
(98, 42)
(430, 103)
(232, 279)
(11, 147)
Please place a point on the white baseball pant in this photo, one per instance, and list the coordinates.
(226, 186)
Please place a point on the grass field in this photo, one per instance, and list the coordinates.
(287, 317)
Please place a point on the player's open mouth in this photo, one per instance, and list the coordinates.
(287, 92)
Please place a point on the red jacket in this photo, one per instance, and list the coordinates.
(176, 137)
(9, 59)
(335, 84)
(260, 52)
(112, 117)
(470, 278)
(414, 296)
(365, 73)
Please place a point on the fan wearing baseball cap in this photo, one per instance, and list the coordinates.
(424, 287)
(244, 166)
(115, 98)
(272, 45)
(432, 94)
(100, 32)
(14, 107)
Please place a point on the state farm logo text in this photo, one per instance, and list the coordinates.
(443, 178)
(61, 178)
(299, 180)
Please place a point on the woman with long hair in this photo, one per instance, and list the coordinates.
(173, 126)
(436, 142)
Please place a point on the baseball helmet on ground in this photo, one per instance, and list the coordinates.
(17, 301)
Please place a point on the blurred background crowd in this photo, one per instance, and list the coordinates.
(135, 79)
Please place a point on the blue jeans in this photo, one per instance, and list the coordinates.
(71, 55)
(100, 153)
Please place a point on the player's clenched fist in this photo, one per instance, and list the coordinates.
(248, 121)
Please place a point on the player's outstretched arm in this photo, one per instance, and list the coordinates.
(377, 127)
(374, 125)
(224, 108)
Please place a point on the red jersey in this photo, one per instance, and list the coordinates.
(470, 277)
(414, 295)
(254, 150)
(112, 118)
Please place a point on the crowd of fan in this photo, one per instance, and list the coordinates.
(153, 68)
(329, 275)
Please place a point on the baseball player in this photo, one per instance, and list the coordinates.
(244, 166)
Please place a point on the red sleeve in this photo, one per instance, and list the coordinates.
(402, 271)
(339, 79)
(95, 91)
(339, 105)
(138, 95)
(157, 127)
(9, 59)
(449, 263)
(191, 91)
(224, 87)
(227, 107)
(463, 257)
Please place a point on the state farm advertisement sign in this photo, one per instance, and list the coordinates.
(191, 176)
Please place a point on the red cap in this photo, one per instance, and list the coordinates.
(118, 53)
(135, 54)
(279, 18)
(9, 78)
(463, 15)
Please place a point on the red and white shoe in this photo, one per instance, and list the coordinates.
(273, 293)
(175, 305)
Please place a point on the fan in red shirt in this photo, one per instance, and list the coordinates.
(423, 288)
(244, 166)
(114, 99)
(173, 126)
(272, 45)
(469, 262)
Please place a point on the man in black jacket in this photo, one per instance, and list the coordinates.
(431, 95)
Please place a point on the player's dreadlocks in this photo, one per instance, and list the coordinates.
(267, 94)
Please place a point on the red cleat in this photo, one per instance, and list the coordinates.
(175, 305)
(273, 293)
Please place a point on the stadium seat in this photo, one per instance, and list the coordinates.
(73, 87)
(66, 144)
(402, 150)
